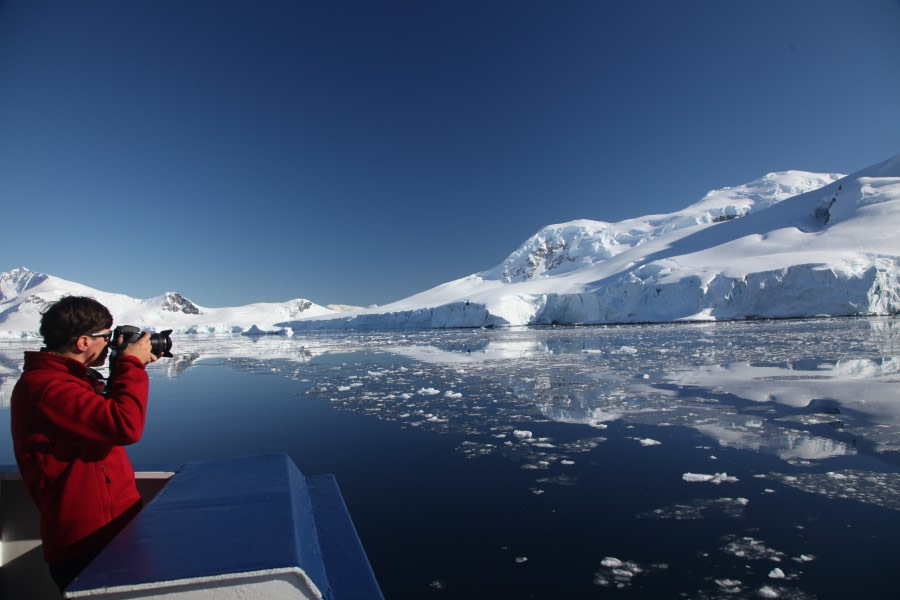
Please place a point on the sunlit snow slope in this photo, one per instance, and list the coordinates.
(791, 244)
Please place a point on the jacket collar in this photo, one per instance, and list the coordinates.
(46, 359)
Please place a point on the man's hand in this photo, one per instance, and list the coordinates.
(140, 349)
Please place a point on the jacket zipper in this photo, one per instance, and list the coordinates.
(103, 468)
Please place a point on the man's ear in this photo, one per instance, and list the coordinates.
(81, 343)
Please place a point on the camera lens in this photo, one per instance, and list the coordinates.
(161, 343)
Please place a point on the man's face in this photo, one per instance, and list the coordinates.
(98, 348)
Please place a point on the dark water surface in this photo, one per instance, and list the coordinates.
(731, 460)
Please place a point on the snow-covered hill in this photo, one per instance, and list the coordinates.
(791, 244)
(23, 293)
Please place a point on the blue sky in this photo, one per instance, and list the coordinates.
(360, 152)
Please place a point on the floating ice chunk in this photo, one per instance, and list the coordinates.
(768, 592)
(648, 442)
(749, 548)
(703, 478)
(521, 559)
(611, 562)
(522, 434)
(344, 388)
(567, 462)
(452, 394)
(429, 391)
(730, 585)
(619, 573)
(776, 573)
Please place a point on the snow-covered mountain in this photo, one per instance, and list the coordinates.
(791, 244)
(23, 293)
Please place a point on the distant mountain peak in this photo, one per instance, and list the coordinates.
(16, 281)
(175, 302)
(24, 292)
(299, 306)
(565, 247)
(558, 248)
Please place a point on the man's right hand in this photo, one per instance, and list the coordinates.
(140, 348)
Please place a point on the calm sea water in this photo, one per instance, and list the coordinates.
(730, 460)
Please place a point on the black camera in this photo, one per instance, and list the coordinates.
(160, 343)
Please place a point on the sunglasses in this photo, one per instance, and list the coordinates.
(106, 335)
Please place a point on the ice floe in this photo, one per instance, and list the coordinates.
(715, 478)
(647, 442)
(700, 508)
(750, 548)
(620, 574)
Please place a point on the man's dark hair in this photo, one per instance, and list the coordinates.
(70, 317)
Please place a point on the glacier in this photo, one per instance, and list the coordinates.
(790, 244)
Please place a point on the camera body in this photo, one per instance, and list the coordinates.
(160, 343)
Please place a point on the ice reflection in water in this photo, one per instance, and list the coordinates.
(808, 402)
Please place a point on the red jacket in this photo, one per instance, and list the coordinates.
(68, 440)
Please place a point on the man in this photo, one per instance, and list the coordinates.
(69, 429)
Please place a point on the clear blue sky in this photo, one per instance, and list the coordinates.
(359, 152)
